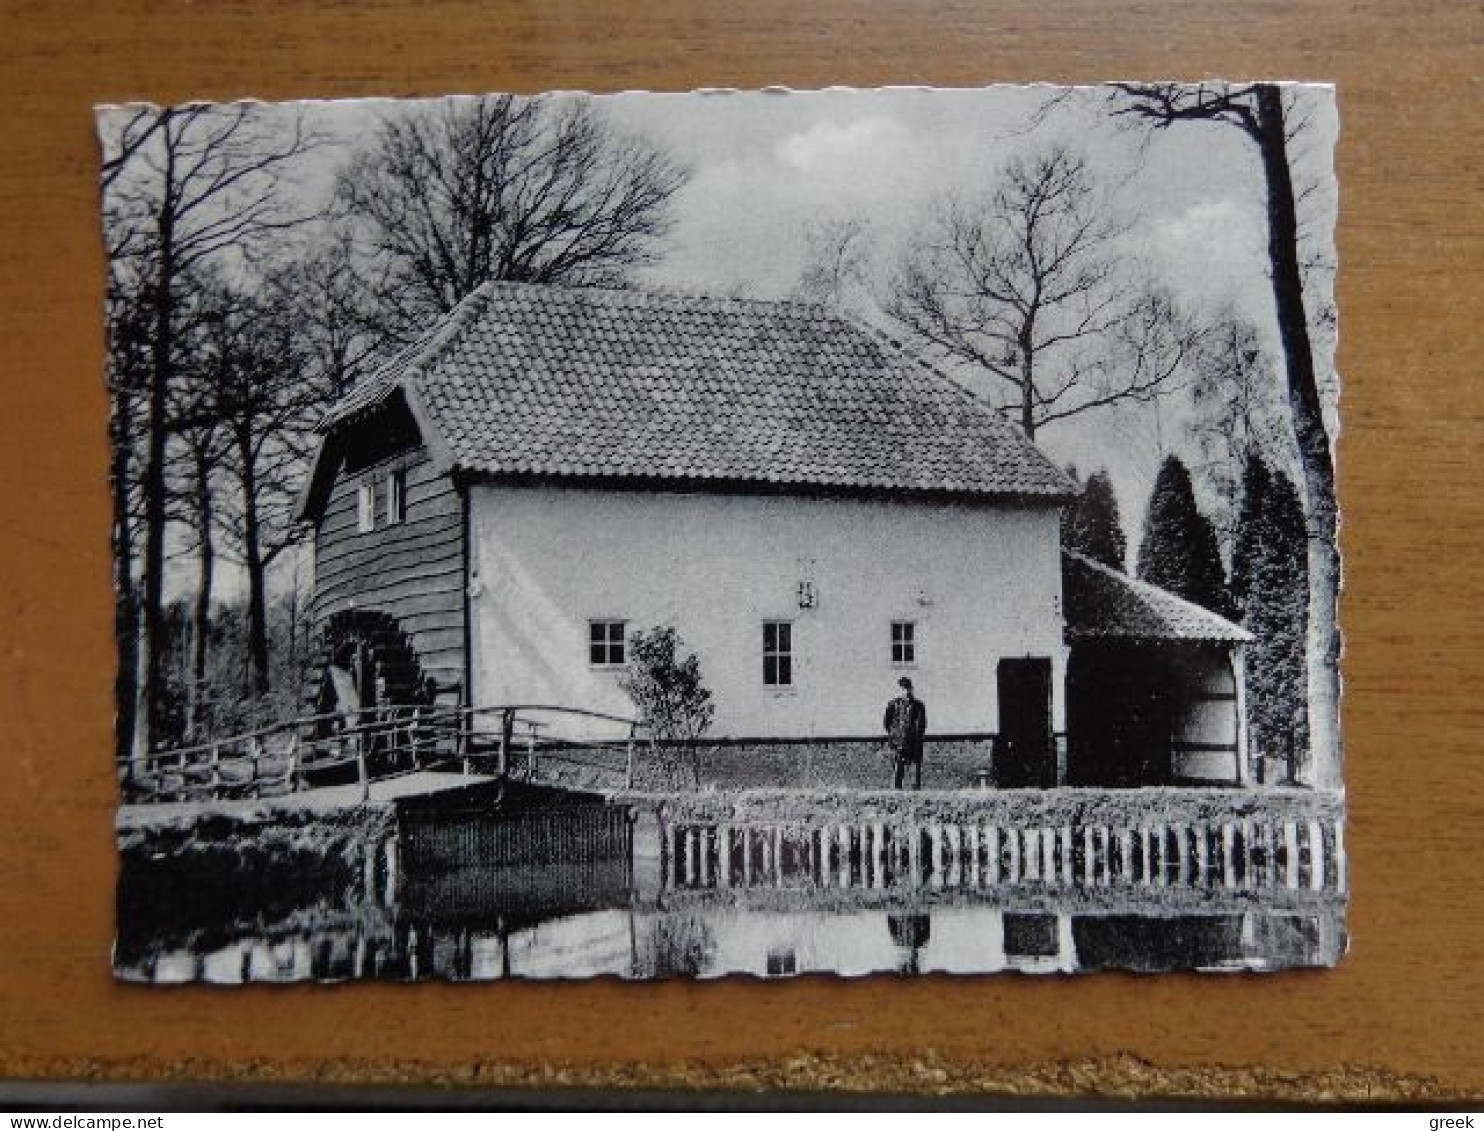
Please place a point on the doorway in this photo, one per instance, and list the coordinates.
(1025, 752)
(1119, 716)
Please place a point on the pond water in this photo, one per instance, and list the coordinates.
(593, 892)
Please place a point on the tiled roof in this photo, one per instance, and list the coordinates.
(1102, 603)
(596, 384)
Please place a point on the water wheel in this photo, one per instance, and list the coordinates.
(369, 676)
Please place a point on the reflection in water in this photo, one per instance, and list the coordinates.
(598, 895)
(681, 944)
(911, 933)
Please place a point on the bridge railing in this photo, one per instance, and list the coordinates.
(376, 743)
(536, 740)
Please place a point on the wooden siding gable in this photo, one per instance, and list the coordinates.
(412, 570)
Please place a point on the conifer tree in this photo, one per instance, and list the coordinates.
(1180, 551)
(1271, 577)
(1093, 526)
(1250, 530)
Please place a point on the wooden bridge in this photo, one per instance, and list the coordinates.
(563, 746)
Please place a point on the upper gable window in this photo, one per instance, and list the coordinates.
(396, 496)
(366, 507)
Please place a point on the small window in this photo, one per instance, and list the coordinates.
(778, 653)
(903, 643)
(396, 496)
(605, 643)
(366, 507)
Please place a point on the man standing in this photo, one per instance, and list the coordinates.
(906, 723)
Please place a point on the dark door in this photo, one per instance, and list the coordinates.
(1025, 755)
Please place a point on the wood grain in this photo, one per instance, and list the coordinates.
(1402, 1015)
(413, 570)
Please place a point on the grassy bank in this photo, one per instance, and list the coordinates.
(1023, 808)
(292, 835)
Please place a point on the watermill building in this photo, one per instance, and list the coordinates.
(812, 507)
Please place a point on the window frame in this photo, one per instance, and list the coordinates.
(780, 658)
(366, 505)
(607, 644)
(907, 643)
(396, 496)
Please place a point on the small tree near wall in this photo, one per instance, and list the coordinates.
(671, 695)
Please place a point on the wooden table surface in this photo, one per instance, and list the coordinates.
(1402, 1016)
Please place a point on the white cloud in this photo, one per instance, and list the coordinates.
(827, 148)
(1211, 252)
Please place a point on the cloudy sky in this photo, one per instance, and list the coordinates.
(764, 166)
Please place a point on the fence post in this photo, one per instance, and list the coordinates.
(414, 737)
(361, 771)
(507, 726)
(660, 820)
(1341, 863)
(629, 770)
(292, 776)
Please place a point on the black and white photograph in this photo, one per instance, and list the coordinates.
(763, 533)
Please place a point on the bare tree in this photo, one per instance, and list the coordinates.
(1030, 287)
(527, 189)
(183, 186)
(128, 381)
(203, 450)
(1237, 412)
(334, 319)
(194, 467)
(269, 394)
(837, 261)
(1259, 111)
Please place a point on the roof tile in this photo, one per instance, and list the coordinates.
(588, 383)
(1105, 604)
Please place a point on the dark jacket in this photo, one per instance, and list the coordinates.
(906, 723)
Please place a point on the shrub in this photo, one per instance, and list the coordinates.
(671, 696)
